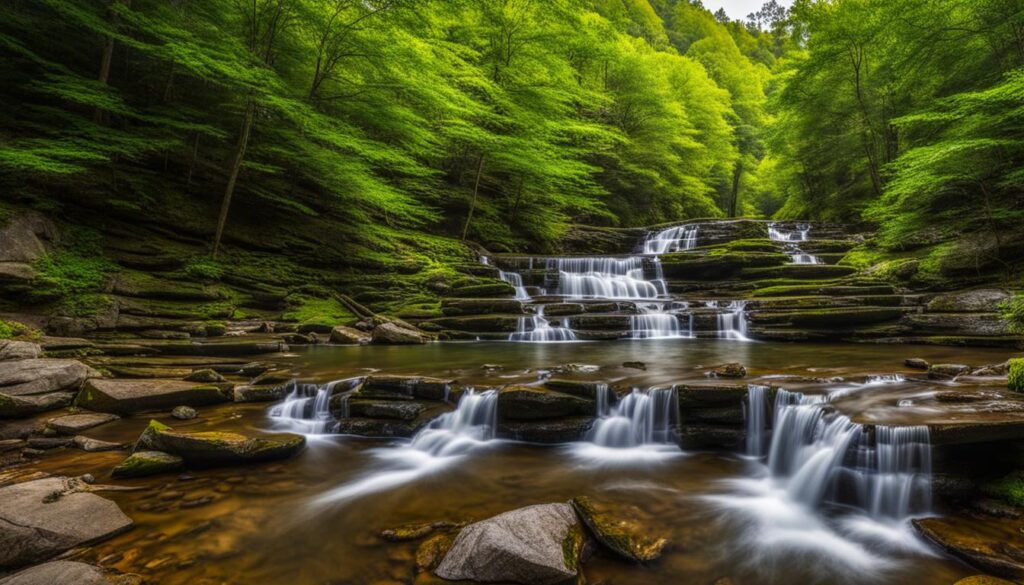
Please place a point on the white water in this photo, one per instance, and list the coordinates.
(674, 239)
(537, 329)
(652, 322)
(732, 322)
(801, 234)
(604, 278)
(306, 407)
(441, 444)
(641, 427)
(513, 278)
(756, 413)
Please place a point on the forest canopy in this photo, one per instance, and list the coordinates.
(506, 121)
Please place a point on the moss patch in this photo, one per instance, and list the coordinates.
(1009, 488)
(1016, 375)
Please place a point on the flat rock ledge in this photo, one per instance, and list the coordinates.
(211, 448)
(68, 573)
(131, 396)
(42, 518)
(993, 545)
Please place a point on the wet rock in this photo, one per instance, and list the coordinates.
(710, 436)
(983, 580)
(432, 551)
(390, 409)
(45, 517)
(273, 377)
(11, 350)
(619, 529)
(298, 339)
(525, 546)
(265, 393)
(49, 343)
(47, 443)
(534, 402)
(348, 335)
(74, 424)
(992, 370)
(730, 370)
(95, 445)
(206, 376)
(416, 531)
(219, 448)
(131, 396)
(972, 301)
(994, 546)
(184, 413)
(144, 463)
(916, 363)
(574, 368)
(405, 387)
(67, 573)
(40, 376)
(394, 334)
(635, 365)
(550, 431)
(947, 371)
(23, 406)
(580, 388)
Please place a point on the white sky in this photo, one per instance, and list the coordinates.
(739, 9)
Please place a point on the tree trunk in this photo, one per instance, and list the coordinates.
(736, 174)
(236, 165)
(107, 60)
(476, 191)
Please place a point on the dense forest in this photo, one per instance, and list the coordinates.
(506, 122)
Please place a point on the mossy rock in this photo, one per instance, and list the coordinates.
(460, 307)
(581, 388)
(1015, 377)
(534, 402)
(142, 395)
(495, 289)
(389, 409)
(620, 529)
(144, 463)
(564, 309)
(546, 431)
(827, 318)
(800, 271)
(208, 448)
(479, 323)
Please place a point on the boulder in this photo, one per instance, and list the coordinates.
(979, 300)
(24, 238)
(535, 402)
(184, 413)
(23, 406)
(394, 334)
(392, 409)
(95, 445)
(580, 388)
(206, 376)
(536, 545)
(49, 343)
(549, 431)
(406, 387)
(348, 335)
(947, 371)
(620, 529)
(972, 580)
(731, 370)
(218, 448)
(144, 463)
(11, 350)
(916, 363)
(131, 396)
(45, 517)
(266, 393)
(74, 424)
(67, 573)
(992, 546)
(40, 376)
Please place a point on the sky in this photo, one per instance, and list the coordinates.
(739, 9)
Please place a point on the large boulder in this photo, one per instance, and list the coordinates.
(394, 334)
(74, 424)
(620, 529)
(23, 406)
(348, 335)
(131, 396)
(947, 371)
(143, 463)
(405, 387)
(24, 239)
(11, 350)
(40, 376)
(985, 300)
(68, 573)
(45, 517)
(534, 402)
(208, 448)
(536, 545)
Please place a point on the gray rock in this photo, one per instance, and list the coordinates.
(58, 573)
(264, 393)
(348, 335)
(184, 413)
(522, 546)
(74, 424)
(947, 371)
(11, 350)
(207, 376)
(980, 300)
(40, 376)
(916, 363)
(45, 517)
(393, 334)
(26, 237)
(144, 463)
(22, 406)
(130, 396)
(95, 445)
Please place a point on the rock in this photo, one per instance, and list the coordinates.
(219, 448)
(731, 370)
(635, 365)
(11, 350)
(993, 545)
(267, 393)
(405, 387)
(74, 424)
(535, 545)
(393, 334)
(994, 370)
(23, 406)
(95, 445)
(298, 339)
(947, 371)
(67, 573)
(184, 413)
(348, 335)
(40, 376)
(144, 463)
(131, 396)
(24, 238)
(47, 443)
(415, 531)
(45, 517)
(916, 363)
(972, 301)
(972, 580)
(206, 376)
(49, 343)
(432, 551)
(575, 368)
(580, 388)
(549, 431)
(619, 529)
(392, 409)
(534, 402)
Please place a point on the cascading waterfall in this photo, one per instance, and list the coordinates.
(604, 278)
(732, 322)
(652, 322)
(306, 407)
(756, 414)
(536, 328)
(801, 234)
(513, 278)
(673, 239)
(641, 418)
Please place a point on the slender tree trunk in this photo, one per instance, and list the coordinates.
(192, 163)
(106, 60)
(476, 191)
(736, 174)
(519, 199)
(236, 165)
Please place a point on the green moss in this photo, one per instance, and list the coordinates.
(204, 268)
(73, 274)
(1013, 313)
(1009, 488)
(1016, 375)
(572, 545)
(307, 309)
(862, 258)
(14, 329)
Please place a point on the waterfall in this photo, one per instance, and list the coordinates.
(513, 278)
(732, 323)
(641, 418)
(801, 234)
(306, 407)
(536, 328)
(652, 322)
(605, 278)
(756, 413)
(673, 239)
(818, 453)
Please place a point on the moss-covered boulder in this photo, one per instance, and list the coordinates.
(206, 376)
(461, 307)
(620, 529)
(1015, 376)
(207, 448)
(144, 463)
(535, 402)
(947, 371)
(390, 409)
(730, 370)
(25, 406)
(131, 396)
(259, 393)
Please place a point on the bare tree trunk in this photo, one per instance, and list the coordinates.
(736, 174)
(107, 60)
(476, 191)
(236, 165)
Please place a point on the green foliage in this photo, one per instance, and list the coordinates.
(75, 274)
(1013, 313)
(305, 308)
(1009, 488)
(1016, 375)
(204, 268)
(14, 329)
